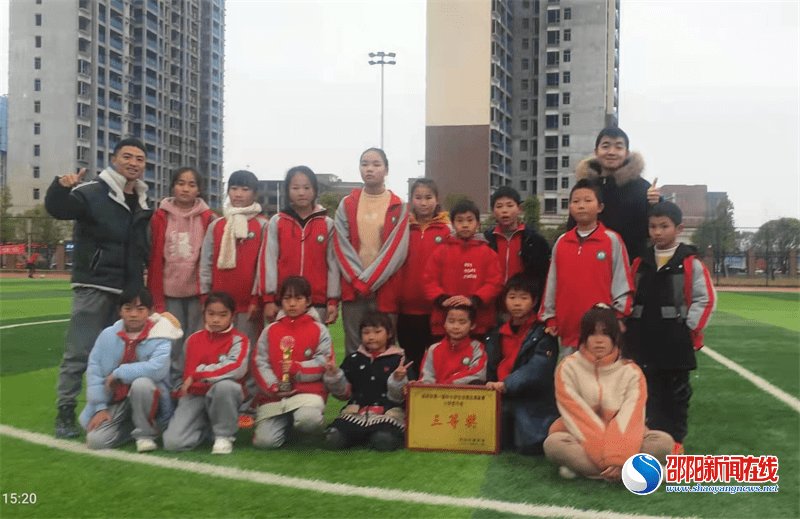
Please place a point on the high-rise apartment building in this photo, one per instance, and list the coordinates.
(87, 73)
(3, 139)
(517, 91)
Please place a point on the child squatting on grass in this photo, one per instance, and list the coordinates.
(128, 378)
(370, 380)
(290, 359)
(213, 385)
(601, 396)
(522, 360)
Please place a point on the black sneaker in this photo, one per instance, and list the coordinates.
(65, 423)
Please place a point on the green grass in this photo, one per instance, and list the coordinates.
(728, 415)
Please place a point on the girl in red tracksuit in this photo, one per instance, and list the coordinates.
(371, 245)
(429, 227)
(297, 346)
(213, 387)
(464, 271)
(231, 250)
(178, 228)
(300, 243)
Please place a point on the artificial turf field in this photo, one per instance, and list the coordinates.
(728, 415)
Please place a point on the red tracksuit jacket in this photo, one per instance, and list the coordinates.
(469, 268)
(421, 245)
(211, 357)
(584, 272)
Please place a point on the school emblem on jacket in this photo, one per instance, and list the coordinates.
(394, 219)
(320, 238)
(308, 352)
(465, 361)
(251, 235)
(601, 255)
(438, 239)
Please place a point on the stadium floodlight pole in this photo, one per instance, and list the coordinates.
(381, 61)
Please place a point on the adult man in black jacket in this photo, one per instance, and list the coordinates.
(111, 218)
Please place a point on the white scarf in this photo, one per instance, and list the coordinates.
(236, 227)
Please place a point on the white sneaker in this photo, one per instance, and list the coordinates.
(222, 446)
(566, 472)
(145, 445)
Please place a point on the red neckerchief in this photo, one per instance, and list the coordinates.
(129, 355)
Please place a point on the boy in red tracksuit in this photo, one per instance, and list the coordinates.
(590, 266)
(300, 243)
(214, 377)
(457, 359)
(428, 229)
(296, 344)
(230, 253)
(463, 272)
(371, 245)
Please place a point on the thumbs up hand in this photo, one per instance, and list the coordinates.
(71, 180)
(653, 193)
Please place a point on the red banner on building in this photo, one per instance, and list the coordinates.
(12, 249)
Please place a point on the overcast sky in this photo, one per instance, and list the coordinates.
(709, 92)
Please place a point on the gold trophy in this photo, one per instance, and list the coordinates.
(287, 344)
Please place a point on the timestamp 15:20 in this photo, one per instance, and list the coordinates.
(23, 498)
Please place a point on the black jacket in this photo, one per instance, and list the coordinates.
(111, 246)
(657, 335)
(368, 378)
(529, 405)
(625, 201)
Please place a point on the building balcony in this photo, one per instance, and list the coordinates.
(114, 124)
(151, 136)
(152, 4)
(153, 24)
(115, 84)
(117, 44)
(151, 80)
(152, 100)
(101, 101)
(116, 64)
(152, 44)
(150, 118)
(116, 22)
(101, 58)
(118, 5)
(117, 105)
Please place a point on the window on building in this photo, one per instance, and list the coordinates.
(535, 107)
(553, 16)
(526, 43)
(37, 63)
(565, 140)
(37, 128)
(567, 34)
(38, 41)
(526, 64)
(36, 150)
(36, 193)
(523, 105)
(567, 77)
(564, 119)
(551, 122)
(565, 98)
(535, 6)
(523, 165)
(37, 85)
(552, 79)
(526, 4)
(526, 23)
(565, 203)
(552, 100)
(36, 172)
(565, 161)
(552, 58)
(524, 84)
(567, 56)
(551, 143)
(551, 163)
(523, 125)
(564, 182)
(534, 150)
(550, 205)
(523, 145)
(523, 185)
(37, 107)
(568, 13)
(553, 37)
(38, 18)
(551, 184)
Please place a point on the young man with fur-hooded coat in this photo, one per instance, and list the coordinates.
(626, 195)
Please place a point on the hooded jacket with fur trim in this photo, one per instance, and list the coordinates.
(624, 200)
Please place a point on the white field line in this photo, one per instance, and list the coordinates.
(31, 324)
(759, 382)
(323, 487)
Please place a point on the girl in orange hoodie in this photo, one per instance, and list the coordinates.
(601, 396)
